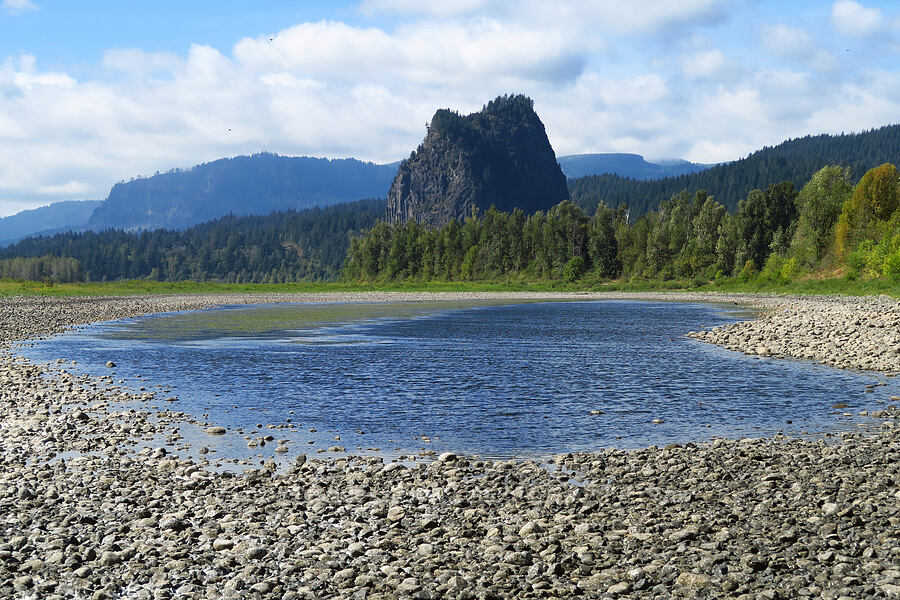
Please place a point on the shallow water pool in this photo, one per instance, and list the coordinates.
(493, 379)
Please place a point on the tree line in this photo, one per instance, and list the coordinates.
(778, 231)
(289, 246)
(59, 269)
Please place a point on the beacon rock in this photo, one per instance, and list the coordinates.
(500, 156)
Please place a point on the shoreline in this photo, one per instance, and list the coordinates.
(62, 313)
(729, 517)
(847, 332)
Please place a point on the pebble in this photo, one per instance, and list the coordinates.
(755, 518)
(222, 544)
(697, 581)
(850, 333)
(396, 513)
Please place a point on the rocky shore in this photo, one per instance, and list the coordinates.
(85, 515)
(849, 333)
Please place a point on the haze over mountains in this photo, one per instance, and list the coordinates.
(632, 166)
(59, 216)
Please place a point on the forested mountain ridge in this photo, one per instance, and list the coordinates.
(59, 215)
(308, 245)
(689, 234)
(262, 183)
(75, 214)
(625, 165)
(244, 185)
(794, 160)
(499, 156)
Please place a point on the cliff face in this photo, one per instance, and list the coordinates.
(498, 156)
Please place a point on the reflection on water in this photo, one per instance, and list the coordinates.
(495, 379)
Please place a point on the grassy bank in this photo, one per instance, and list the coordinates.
(802, 287)
(757, 285)
(129, 288)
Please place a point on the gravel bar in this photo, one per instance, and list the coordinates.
(89, 510)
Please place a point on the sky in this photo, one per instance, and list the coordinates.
(96, 92)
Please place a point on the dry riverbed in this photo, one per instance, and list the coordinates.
(84, 514)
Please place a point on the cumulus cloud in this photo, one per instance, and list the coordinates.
(641, 90)
(852, 18)
(873, 97)
(704, 64)
(795, 44)
(428, 53)
(651, 16)
(17, 77)
(604, 15)
(417, 7)
(602, 81)
(17, 7)
(137, 63)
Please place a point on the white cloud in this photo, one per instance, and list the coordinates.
(604, 79)
(139, 64)
(636, 91)
(289, 80)
(649, 16)
(604, 15)
(69, 188)
(444, 8)
(795, 44)
(852, 18)
(872, 98)
(703, 65)
(17, 7)
(428, 53)
(18, 77)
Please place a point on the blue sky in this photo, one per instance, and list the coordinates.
(96, 92)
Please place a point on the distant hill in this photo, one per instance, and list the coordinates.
(626, 165)
(258, 184)
(794, 160)
(498, 156)
(53, 218)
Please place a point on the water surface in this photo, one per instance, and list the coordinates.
(494, 379)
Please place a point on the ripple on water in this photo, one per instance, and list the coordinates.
(494, 379)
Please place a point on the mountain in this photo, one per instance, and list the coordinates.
(55, 217)
(260, 184)
(244, 185)
(499, 156)
(794, 160)
(625, 165)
